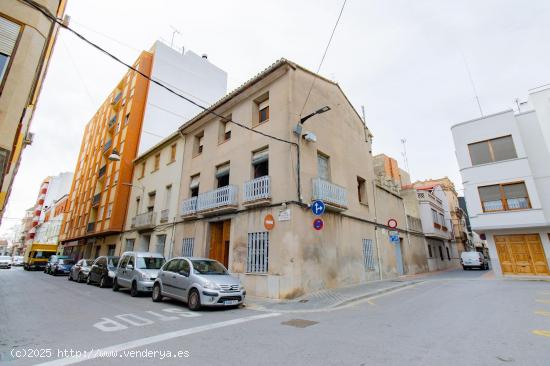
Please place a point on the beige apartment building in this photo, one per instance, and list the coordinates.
(246, 200)
(27, 39)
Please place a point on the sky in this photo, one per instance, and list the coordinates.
(404, 60)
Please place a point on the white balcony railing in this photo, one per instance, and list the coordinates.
(257, 189)
(429, 197)
(224, 196)
(143, 220)
(189, 206)
(329, 192)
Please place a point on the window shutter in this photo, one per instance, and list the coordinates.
(222, 170)
(194, 182)
(260, 156)
(263, 104)
(9, 31)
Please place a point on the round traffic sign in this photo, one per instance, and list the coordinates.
(318, 207)
(269, 222)
(318, 224)
(392, 223)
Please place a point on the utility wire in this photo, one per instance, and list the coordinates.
(49, 15)
(323, 58)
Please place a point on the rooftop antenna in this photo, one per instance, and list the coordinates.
(471, 81)
(174, 31)
(363, 113)
(404, 154)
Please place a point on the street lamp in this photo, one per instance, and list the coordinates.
(319, 111)
(115, 156)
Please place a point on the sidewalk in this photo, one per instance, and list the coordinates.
(328, 299)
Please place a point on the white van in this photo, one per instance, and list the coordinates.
(473, 260)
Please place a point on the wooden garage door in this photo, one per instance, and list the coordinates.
(521, 254)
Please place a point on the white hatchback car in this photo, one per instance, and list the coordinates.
(471, 260)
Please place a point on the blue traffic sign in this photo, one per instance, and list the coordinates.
(318, 208)
(394, 237)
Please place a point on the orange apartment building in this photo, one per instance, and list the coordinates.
(135, 116)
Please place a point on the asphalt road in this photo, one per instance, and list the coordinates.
(453, 318)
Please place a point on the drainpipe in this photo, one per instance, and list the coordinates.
(376, 232)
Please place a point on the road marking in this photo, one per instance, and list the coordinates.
(155, 339)
(369, 301)
(110, 325)
(540, 332)
(544, 292)
(542, 312)
(543, 301)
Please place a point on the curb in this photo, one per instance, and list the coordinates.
(338, 304)
(534, 279)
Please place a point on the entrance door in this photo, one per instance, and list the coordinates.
(399, 257)
(219, 241)
(521, 254)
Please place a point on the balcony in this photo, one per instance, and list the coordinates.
(115, 101)
(91, 227)
(189, 206)
(107, 146)
(220, 200)
(164, 215)
(426, 196)
(96, 199)
(101, 172)
(334, 196)
(144, 221)
(257, 191)
(112, 121)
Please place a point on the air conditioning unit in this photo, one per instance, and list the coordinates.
(29, 138)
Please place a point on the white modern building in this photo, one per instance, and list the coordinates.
(437, 227)
(504, 160)
(186, 73)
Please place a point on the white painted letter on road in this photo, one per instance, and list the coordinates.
(108, 325)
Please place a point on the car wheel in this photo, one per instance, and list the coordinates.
(115, 285)
(157, 293)
(79, 278)
(102, 282)
(88, 280)
(133, 289)
(194, 300)
(70, 278)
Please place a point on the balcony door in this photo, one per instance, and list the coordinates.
(219, 241)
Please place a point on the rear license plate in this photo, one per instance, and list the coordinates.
(230, 302)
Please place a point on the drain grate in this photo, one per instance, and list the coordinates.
(299, 323)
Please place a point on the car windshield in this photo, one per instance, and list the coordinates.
(149, 262)
(41, 254)
(66, 261)
(208, 267)
(113, 262)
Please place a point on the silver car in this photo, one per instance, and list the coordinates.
(198, 282)
(5, 261)
(137, 271)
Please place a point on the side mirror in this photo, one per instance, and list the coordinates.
(184, 273)
(129, 267)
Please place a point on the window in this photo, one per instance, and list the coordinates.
(168, 196)
(441, 219)
(260, 163)
(187, 247)
(323, 168)
(142, 172)
(9, 32)
(194, 186)
(225, 129)
(127, 118)
(435, 218)
(430, 251)
(368, 255)
(137, 205)
(4, 159)
(111, 250)
(488, 151)
(440, 252)
(504, 197)
(109, 210)
(257, 259)
(157, 163)
(362, 190)
(161, 240)
(199, 144)
(173, 150)
(448, 253)
(129, 245)
(151, 203)
(261, 110)
(222, 175)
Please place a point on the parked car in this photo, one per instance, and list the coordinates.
(52, 261)
(5, 261)
(62, 266)
(471, 260)
(80, 270)
(198, 282)
(17, 261)
(137, 271)
(102, 271)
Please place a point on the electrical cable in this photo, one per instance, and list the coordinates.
(49, 15)
(323, 58)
